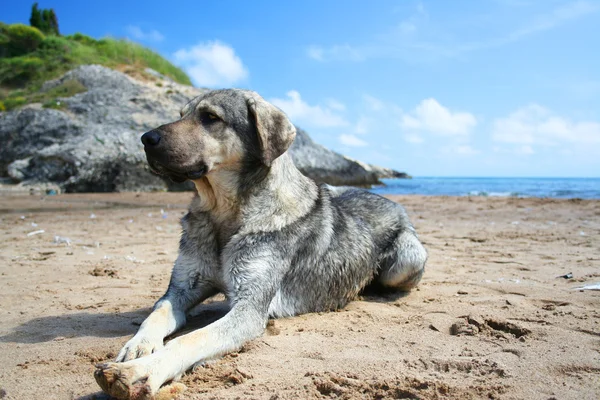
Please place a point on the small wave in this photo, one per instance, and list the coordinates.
(564, 193)
(565, 188)
(478, 193)
(483, 193)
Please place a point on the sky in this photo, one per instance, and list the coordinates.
(435, 88)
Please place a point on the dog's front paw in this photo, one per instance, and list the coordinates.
(139, 346)
(124, 382)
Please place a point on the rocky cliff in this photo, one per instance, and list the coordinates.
(90, 141)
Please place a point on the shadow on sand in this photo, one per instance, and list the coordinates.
(45, 329)
(376, 293)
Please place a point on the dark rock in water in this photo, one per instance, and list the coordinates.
(92, 142)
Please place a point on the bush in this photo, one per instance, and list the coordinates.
(66, 89)
(56, 43)
(2, 106)
(126, 52)
(83, 39)
(14, 102)
(18, 71)
(28, 58)
(18, 39)
(54, 104)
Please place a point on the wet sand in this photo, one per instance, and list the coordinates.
(489, 320)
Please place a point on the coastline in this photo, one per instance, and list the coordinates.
(587, 188)
(490, 318)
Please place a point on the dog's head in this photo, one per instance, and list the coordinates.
(220, 129)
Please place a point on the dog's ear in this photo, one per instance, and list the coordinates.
(274, 130)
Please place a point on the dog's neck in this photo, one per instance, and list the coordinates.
(268, 201)
(218, 196)
(281, 198)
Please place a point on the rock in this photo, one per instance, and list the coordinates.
(381, 172)
(476, 320)
(25, 132)
(92, 144)
(157, 74)
(326, 166)
(463, 327)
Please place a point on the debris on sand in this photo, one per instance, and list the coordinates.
(61, 240)
(473, 324)
(134, 259)
(462, 327)
(594, 286)
(100, 271)
(566, 276)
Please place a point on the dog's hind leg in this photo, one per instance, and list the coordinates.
(403, 265)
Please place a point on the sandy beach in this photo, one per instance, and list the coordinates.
(491, 318)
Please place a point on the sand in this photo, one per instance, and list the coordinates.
(489, 320)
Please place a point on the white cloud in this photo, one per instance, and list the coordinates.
(417, 38)
(465, 150)
(337, 52)
(212, 64)
(559, 16)
(431, 116)
(459, 149)
(407, 27)
(413, 138)
(301, 112)
(352, 141)
(150, 36)
(536, 125)
(362, 125)
(556, 17)
(316, 53)
(525, 150)
(373, 103)
(336, 105)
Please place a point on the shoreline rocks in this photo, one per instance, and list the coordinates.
(90, 142)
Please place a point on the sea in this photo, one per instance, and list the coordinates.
(562, 188)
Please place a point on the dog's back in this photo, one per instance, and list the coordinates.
(344, 243)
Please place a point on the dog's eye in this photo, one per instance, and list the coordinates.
(208, 117)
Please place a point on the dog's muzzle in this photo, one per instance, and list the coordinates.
(156, 155)
(154, 146)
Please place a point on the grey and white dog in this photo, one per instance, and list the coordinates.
(269, 238)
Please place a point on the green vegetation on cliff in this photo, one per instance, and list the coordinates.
(28, 58)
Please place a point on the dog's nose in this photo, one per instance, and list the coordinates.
(151, 139)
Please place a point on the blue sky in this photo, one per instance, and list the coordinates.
(434, 88)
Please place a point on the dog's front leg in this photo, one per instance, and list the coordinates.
(252, 290)
(169, 313)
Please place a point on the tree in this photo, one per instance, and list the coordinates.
(54, 22)
(36, 17)
(44, 19)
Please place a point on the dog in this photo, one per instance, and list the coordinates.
(259, 231)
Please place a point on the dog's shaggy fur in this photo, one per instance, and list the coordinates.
(259, 231)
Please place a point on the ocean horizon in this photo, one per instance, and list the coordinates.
(563, 188)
